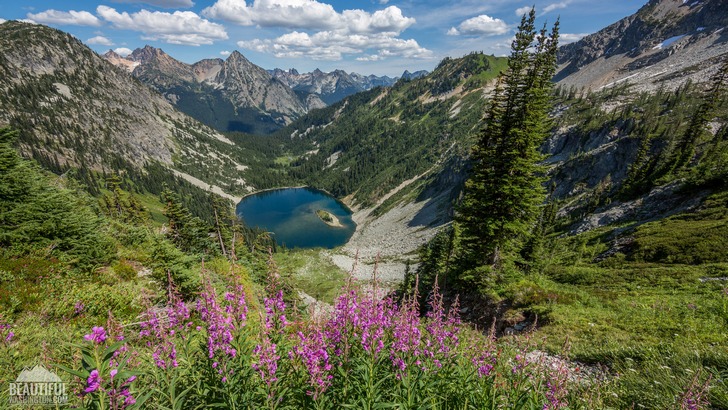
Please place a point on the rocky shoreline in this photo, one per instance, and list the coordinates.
(388, 241)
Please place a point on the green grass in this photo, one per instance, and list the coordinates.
(156, 209)
(312, 272)
(644, 313)
(285, 160)
(694, 238)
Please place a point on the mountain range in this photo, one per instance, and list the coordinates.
(237, 95)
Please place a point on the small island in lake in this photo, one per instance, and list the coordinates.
(329, 218)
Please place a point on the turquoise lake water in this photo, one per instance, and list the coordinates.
(290, 213)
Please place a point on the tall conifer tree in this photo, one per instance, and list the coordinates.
(504, 191)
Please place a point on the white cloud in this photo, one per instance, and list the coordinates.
(374, 57)
(76, 18)
(383, 1)
(482, 25)
(319, 31)
(160, 3)
(100, 40)
(555, 6)
(122, 51)
(522, 10)
(180, 27)
(566, 38)
(224, 53)
(331, 45)
(308, 14)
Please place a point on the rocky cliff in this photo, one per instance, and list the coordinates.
(664, 44)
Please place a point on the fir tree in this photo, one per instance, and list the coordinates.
(37, 213)
(188, 232)
(504, 191)
(685, 149)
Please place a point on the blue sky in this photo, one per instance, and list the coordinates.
(382, 37)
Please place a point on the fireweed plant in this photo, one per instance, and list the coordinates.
(225, 349)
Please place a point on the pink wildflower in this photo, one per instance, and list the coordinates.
(97, 335)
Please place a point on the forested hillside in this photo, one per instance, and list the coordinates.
(369, 143)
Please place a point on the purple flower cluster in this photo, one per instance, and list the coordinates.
(265, 354)
(365, 319)
(377, 324)
(406, 337)
(5, 333)
(222, 320)
(119, 396)
(266, 363)
(442, 329)
(311, 350)
(97, 335)
(160, 332)
(78, 308)
(93, 383)
(275, 308)
(483, 354)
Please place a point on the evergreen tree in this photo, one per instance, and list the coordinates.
(36, 213)
(504, 191)
(685, 149)
(189, 233)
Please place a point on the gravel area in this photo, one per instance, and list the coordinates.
(390, 239)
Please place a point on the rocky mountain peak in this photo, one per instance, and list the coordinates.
(237, 57)
(664, 42)
(111, 54)
(148, 54)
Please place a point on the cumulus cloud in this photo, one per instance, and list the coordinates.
(319, 31)
(482, 25)
(555, 6)
(100, 40)
(225, 53)
(331, 45)
(180, 27)
(522, 10)
(374, 57)
(122, 51)
(160, 3)
(308, 14)
(76, 18)
(566, 38)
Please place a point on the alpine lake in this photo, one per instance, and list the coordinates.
(299, 217)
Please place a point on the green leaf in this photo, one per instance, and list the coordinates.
(109, 352)
(80, 374)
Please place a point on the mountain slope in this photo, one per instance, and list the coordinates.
(230, 95)
(665, 43)
(77, 111)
